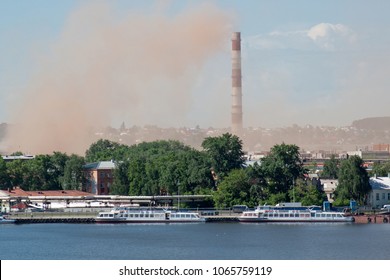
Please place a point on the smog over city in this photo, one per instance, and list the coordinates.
(167, 64)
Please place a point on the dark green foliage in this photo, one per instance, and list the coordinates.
(45, 172)
(5, 180)
(281, 167)
(162, 167)
(73, 177)
(276, 198)
(331, 168)
(105, 150)
(234, 190)
(353, 181)
(121, 182)
(17, 171)
(306, 193)
(381, 169)
(225, 153)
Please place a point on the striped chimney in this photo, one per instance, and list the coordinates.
(236, 85)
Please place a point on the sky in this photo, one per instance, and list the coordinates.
(71, 64)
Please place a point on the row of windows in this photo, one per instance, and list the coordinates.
(377, 195)
(142, 215)
(296, 215)
(103, 174)
(150, 215)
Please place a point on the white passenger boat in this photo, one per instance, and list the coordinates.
(293, 216)
(139, 215)
(4, 220)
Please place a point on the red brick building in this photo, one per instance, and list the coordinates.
(99, 177)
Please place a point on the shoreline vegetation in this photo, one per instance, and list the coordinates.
(219, 169)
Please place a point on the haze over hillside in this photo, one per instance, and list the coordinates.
(362, 135)
(376, 123)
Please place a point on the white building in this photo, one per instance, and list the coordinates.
(380, 194)
(329, 187)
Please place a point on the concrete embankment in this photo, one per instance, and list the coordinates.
(54, 217)
(372, 218)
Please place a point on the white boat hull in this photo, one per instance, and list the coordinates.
(294, 216)
(6, 221)
(121, 215)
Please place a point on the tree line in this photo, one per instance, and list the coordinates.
(219, 169)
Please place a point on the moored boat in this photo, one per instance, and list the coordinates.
(5, 220)
(280, 214)
(139, 215)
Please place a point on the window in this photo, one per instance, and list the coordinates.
(377, 196)
(383, 196)
(388, 196)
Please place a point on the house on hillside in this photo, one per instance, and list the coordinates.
(99, 177)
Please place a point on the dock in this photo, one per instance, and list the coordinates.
(54, 217)
(372, 218)
(211, 217)
(89, 217)
(55, 220)
(221, 219)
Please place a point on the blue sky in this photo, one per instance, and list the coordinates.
(304, 62)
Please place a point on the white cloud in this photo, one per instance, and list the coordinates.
(323, 36)
(331, 36)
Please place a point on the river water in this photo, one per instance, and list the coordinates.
(209, 241)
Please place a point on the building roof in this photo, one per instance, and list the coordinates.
(380, 183)
(9, 158)
(100, 165)
(19, 192)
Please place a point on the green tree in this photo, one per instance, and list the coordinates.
(282, 167)
(234, 190)
(380, 169)
(5, 181)
(104, 150)
(331, 168)
(121, 183)
(225, 153)
(73, 176)
(42, 174)
(275, 198)
(306, 193)
(162, 167)
(353, 182)
(258, 181)
(17, 171)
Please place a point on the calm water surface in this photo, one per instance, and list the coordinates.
(212, 241)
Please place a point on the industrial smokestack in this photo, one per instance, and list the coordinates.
(236, 84)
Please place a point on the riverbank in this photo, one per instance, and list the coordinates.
(89, 217)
